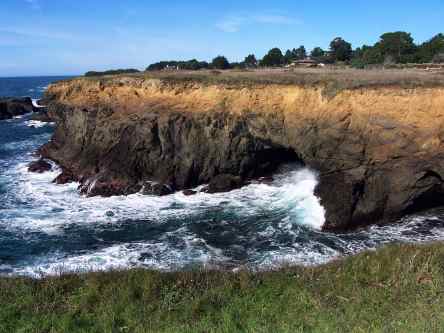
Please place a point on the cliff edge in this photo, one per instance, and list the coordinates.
(378, 149)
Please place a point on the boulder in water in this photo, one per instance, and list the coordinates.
(102, 186)
(157, 189)
(224, 183)
(39, 166)
(13, 107)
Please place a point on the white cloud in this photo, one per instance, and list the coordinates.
(235, 22)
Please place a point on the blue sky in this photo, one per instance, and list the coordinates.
(51, 37)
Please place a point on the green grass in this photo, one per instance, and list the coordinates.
(396, 289)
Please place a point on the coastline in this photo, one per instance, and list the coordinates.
(373, 141)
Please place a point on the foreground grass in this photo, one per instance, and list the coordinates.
(397, 289)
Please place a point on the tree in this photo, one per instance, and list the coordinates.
(317, 52)
(340, 50)
(429, 49)
(372, 54)
(300, 53)
(399, 45)
(274, 57)
(220, 62)
(250, 61)
(289, 57)
(112, 72)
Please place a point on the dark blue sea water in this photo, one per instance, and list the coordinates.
(26, 86)
(47, 228)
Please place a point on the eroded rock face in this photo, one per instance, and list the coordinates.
(13, 107)
(378, 151)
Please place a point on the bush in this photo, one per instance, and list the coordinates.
(357, 63)
(220, 62)
(438, 58)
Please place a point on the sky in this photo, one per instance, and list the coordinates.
(70, 37)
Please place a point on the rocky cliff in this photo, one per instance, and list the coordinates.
(378, 150)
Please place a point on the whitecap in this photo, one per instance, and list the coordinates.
(37, 123)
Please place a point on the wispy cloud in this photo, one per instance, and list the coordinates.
(34, 4)
(234, 23)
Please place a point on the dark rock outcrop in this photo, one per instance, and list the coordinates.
(39, 166)
(67, 176)
(157, 189)
(379, 152)
(13, 107)
(106, 187)
(224, 183)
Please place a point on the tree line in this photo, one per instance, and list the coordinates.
(391, 48)
(112, 72)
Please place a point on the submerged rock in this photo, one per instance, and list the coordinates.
(39, 166)
(189, 192)
(110, 213)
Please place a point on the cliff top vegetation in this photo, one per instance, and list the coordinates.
(332, 78)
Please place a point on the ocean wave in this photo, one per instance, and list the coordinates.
(54, 229)
(35, 103)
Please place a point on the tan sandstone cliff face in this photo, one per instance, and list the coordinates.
(381, 149)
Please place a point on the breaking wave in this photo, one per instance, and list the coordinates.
(47, 228)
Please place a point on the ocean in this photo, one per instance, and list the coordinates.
(46, 228)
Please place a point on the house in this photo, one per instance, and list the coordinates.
(171, 68)
(307, 63)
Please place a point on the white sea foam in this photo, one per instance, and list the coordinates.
(37, 123)
(154, 255)
(295, 238)
(35, 103)
(292, 193)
